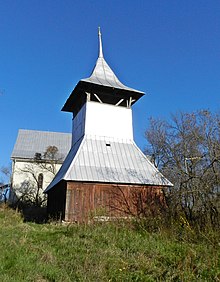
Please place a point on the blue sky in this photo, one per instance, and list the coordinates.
(168, 49)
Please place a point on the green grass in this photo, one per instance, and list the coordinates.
(103, 252)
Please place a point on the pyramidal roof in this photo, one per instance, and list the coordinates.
(103, 75)
(91, 160)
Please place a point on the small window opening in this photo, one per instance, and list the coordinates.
(108, 145)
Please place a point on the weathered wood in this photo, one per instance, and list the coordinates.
(85, 201)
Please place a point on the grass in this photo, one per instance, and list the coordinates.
(103, 252)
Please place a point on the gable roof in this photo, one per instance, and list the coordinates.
(30, 142)
(116, 161)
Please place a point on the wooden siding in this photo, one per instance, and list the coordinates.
(86, 201)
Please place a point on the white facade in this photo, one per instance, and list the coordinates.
(25, 179)
(103, 120)
(108, 121)
(32, 170)
(27, 170)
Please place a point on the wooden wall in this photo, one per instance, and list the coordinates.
(86, 201)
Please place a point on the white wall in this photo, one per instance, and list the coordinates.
(19, 176)
(108, 120)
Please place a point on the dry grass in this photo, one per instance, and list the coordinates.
(103, 252)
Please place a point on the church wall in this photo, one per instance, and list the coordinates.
(25, 175)
(89, 201)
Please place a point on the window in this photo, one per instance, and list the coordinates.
(40, 181)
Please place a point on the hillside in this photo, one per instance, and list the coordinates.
(104, 252)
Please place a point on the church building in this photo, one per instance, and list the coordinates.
(105, 174)
(36, 158)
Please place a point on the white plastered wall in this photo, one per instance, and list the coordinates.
(97, 119)
(108, 120)
(21, 174)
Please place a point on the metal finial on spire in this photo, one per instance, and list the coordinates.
(100, 43)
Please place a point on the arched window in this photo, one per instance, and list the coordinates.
(40, 180)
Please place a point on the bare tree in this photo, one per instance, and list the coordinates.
(6, 173)
(187, 151)
(49, 160)
(137, 202)
(31, 190)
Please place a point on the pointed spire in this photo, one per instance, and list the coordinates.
(103, 75)
(100, 43)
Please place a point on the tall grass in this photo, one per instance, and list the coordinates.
(116, 251)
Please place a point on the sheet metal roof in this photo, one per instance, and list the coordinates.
(103, 75)
(115, 161)
(30, 142)
(102, 81)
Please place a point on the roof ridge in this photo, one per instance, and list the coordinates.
(44, 131)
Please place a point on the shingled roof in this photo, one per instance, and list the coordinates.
(30, 142)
